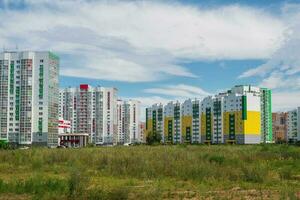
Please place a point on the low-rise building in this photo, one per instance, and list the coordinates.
(73, 140)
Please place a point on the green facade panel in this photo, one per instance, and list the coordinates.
(146, 118)
(231, 127)
(208, 123)
(154, 123)
(170, 130)
(188, 134)
(244, 107)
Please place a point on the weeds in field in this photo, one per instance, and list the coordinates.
(150, 172)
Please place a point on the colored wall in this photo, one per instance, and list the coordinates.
(185, 127)
(253, 124)
(168, 130)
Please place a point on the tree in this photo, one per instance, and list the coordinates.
(153, 138)
(3, 144)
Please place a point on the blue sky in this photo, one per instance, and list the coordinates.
(157, 51)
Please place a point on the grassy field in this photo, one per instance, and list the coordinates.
(152, 172)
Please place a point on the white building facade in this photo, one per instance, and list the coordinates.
(293, 125)
(92, 111)
(29, 98)
(240, 115)
(128, 115)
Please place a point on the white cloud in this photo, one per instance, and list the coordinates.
(281, 72)
(139, 40)
(179, 91)
(284, 101)
(284, 64)
(278, 80)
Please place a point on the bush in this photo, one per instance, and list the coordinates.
(76, 183)
(253, 174)
(218, 159)
(153, 138)
(4, 144)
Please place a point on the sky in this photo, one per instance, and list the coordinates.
(158, 51)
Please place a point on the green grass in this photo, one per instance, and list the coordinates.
(152, 172)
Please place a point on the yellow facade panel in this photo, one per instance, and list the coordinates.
(203, 124)
(186, 121)
(238, 124)
(149, 126)
(252, 124)
(166, 126)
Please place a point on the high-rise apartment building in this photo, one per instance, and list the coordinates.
(190, 129)
(172, 122)
(266, 115)
(155, 121)
(91, 110)
(279, 123)
(29, 98)
(212, 119)
(128, 115)
(142, 132)
(240, 115)
(293, 125)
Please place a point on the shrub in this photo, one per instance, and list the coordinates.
(285, 173)
(218, 159)
(76, 184)
(253, 174)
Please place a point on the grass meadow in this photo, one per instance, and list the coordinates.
(152, 172)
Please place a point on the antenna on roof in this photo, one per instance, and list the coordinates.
(17, 48)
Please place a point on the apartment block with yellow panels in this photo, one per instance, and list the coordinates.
(169, 123)
(177, 138)
(196, 121)
(172, 123)
(154, 120)
(241, 116)
(212, 119)
(190, 121)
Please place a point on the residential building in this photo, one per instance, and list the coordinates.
(240, 115)
(279, 122)
(266, 115)
(155, 121)
(293, 125)
(92, 111)
(143, 132)
(172, 123)
(29, 97)
(212, 119)
(128, 115)
(190, 129)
